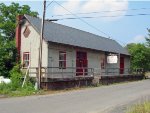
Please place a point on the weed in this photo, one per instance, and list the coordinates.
(140, 108)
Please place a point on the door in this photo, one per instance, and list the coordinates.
(121, 65)
(81, 63)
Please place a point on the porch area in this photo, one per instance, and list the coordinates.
(56, 78)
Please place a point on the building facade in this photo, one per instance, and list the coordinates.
(68, 52)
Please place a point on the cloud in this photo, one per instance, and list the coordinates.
(138, 39)
(79, 6)
(112, 6)
(70, 5)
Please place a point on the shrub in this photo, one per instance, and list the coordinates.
(5, 88)
(16, 77)
(15, 87)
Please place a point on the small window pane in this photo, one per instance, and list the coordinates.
(103, 63)
(62, 60)
(26, 59)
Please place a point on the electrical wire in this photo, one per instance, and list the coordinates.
(50, 3)
(103, 12)
(89, 17)
(83, 21)
(77, 17)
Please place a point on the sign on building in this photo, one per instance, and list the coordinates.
(112, 59)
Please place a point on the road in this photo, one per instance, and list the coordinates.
(91, 100)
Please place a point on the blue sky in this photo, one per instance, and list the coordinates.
(123, 29)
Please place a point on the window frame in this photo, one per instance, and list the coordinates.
(26, 59)
(103, 63)
(62, 62)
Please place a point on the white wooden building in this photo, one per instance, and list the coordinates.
(67, 51)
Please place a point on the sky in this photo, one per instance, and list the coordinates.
(122, 28)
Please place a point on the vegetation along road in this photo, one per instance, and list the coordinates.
(92, 100)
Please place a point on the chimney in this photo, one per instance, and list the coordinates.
(18, 35)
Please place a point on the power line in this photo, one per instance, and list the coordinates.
(77, 17)
(50, 3)
(80, 19)
(104, 11)
(89, 17)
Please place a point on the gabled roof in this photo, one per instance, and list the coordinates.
(57, 33)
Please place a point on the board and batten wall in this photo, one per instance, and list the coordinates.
(94, 60)
(31, 44)
(93, 57)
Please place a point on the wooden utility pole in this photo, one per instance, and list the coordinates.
(40, 48)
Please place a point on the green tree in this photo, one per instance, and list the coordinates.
(8, 18)
(7, 56)
(148, 38)
(8, 24)
(140, 56)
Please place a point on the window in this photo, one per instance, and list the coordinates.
(26, 57)
(26, 32)
(62, 60)
(102, 63)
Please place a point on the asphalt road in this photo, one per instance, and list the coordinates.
(92, 100)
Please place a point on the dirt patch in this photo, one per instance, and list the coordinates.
(3, 96)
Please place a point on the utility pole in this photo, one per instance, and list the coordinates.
(41, 43)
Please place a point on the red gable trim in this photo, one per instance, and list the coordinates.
(18, 35)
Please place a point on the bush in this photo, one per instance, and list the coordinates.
(15, 87)
(5, 88)
(16, 77)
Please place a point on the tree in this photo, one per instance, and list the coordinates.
(8, 24)
(7, 56)
(8, 18)
(148, 38)
(140, 56)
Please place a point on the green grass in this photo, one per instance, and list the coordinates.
(8, 90)
(140, 108)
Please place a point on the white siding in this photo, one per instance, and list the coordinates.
(31, 44)
(93, 57)
(53, 55)
(127, 64)
(53, 60)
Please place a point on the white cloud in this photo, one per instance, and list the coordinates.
(91, 5)
(69, 5)
(78, 6)
(107, 5)
(138, 39)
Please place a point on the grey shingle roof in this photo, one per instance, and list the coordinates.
(57, 33)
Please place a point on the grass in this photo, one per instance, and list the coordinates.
(140, 108)
(7, 90)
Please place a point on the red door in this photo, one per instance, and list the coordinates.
(81, 63)
(121, 65)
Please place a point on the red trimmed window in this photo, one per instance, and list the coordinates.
(26, 59)
(26, 32)
(62, 60)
